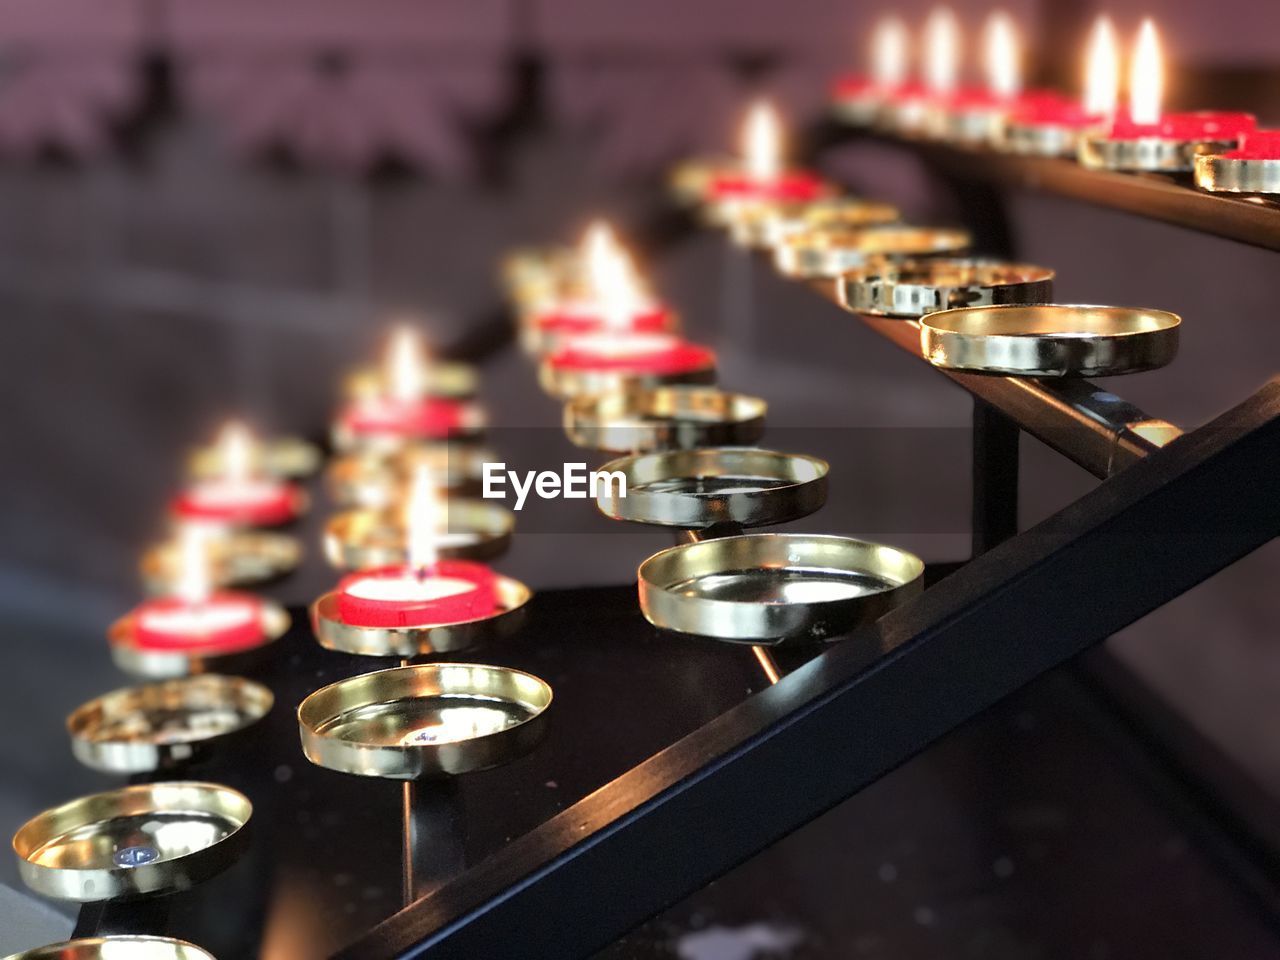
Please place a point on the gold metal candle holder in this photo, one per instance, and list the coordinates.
(690, 181)
(665, 418)
(774, 587)
(1223, 173)
(145, 728)
(1050, 340)
(825, 254)
(364, 539)
(1100, 150)
(765, 227)
(118, 947)
(695, 489)
(379, 481)
(442, 379)
(165, 663)
(286, 458)
(425, 720)
(564, 383)
(136, 841)
(333, 633)
(1041, 139)
(237, 558)
(909, 289)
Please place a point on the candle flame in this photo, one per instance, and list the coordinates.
(406, 365)
(423, 519)
(1102, 70)
(238, 452)
(889, 44)
(942, 50)
(1146, 76)
(194, 582)
(1000, 43)
(762, 142)
(615, 284)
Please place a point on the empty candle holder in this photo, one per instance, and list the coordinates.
(424, 720)
(908, 289)
(116, 947)
(159, 725)
(371, 480)
(664, 418)
(697, 489)
(237, 558)
(136, 841)
(285, 458)
(763, 228)
(1252, 168)
(772, 587)
(1170, 145)
(825, 254)
(468, 529)
(1050, 340)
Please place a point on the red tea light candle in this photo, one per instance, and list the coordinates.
(858, 99)
(1145, 139)
(239, 497)
(616, 360)
(1053, 125)
(1252, 168)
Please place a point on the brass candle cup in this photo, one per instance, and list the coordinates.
(1050, 340)
(333, 633)
(424, 720)
(1041, 139)
(565, 383)
(157, 725)
(775, 587)
(370, 480)
(117, 947)
(285, 458)
(136, 841)
(763, 228)
(967, 126)
(1222, 173)
(827, 253)
(1099, 150)
(164, 663)
(908, 289)
(689, 182)
(237, 558)
(364, 539)
(442, 379)
(695, 489)
(664, 418)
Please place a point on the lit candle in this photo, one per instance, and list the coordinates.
(1053, 125)
(196, 619)
(1145, 138)
(858, 99)
(240, 495)
(764, 177)
(426, 591)
(403, 406)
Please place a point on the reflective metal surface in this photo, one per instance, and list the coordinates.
(1050, 340)
(155, 725)
(237, 558)
(1223, 174)
(332, 632)
(139, 840)
(469, 530)
(1039, 140)
(116, 948)
(664, 418)
(699, 488)
(766, 226)
(431, 719)
(288, 458)
(772, 587)
(911, 288)
(450, 381)
(379, 481)
(146, 662)
(827, 253)
(1151, 154)
(567, 382)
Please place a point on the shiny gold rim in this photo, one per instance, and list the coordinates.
(448, 381)
(238, 558)
(664, 418)
(335, 634)
(376, 481)
(566, 383)
(1220, 174)
(766, 487)
(128, 946)
(287, 458)
(392, 696)
(675, 592)
(767, 226)
(162, 664)
(363, 539)
(1040, 140)
(1050, 340)
(817, 254)
(1150, 154)
(200, 846)
(144, 728)
(911, 288)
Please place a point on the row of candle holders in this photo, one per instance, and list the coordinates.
(1223, 152)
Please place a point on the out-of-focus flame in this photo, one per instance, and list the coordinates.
(762, 142)
(406, 365)
(1102, 70)
(194, 583)
(422, 519)
(889, 53)
(941, 50)
(1146, 76)
(615, 284)
(238, 452)
(1000, 48)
